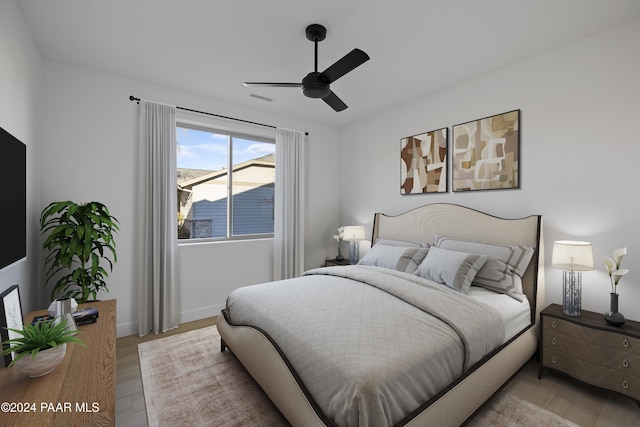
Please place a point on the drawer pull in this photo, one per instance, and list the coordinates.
(625, 384)
(553, 360)
(553, 341)
(625, 343)
(553, 324)
(625, 363)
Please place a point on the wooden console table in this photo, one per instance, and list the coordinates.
(79, 392)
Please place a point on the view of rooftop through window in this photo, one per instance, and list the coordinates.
(205, 198)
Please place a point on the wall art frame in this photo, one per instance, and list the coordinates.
(423, 162)
(10, 317)
(486, 153)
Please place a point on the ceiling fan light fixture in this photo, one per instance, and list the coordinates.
(314, 87)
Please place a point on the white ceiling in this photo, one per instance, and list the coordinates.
(209, 47)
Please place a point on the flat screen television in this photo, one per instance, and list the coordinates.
(13, 199)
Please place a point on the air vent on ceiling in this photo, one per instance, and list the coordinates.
(264, 98)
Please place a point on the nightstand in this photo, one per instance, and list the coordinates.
(586, 348)
(334, 262)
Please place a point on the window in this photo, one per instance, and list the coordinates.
(225, 183)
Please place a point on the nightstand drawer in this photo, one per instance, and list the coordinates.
(605, 339)
(612, 379)
(592, 352)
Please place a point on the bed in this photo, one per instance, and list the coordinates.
(292, 335)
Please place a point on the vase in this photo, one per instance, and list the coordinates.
(613, 317)
(44, 362)
(339, 257)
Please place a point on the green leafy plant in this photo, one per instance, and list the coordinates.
(42, 335)
(79, 237)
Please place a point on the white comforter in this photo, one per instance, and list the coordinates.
(370, 345)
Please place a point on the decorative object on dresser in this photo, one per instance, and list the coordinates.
(573, 257)
(613, 317)
(423, 160)
(10, 317)
(339, 238)
(40, 346)
(588, 349)
(80, 237)
(353, 234)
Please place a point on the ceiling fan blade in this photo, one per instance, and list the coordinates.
(260, 84)
(342, 66)
(334, 102)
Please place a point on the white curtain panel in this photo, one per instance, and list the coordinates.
(289, 205)
(157, 221)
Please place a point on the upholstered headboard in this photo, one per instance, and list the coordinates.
(422, 224)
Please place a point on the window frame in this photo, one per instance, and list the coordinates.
(230, 133)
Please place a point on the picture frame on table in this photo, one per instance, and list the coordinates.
(423, 162)
(10, 317)
(486, 153)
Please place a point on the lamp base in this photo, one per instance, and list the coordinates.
(572, 293)
(354, 252)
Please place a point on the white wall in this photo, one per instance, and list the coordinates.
(20, 89)
(580, 150)
(90, 133)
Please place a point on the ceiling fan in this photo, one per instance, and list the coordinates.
(318, 85)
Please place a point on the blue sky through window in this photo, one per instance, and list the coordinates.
(200, 149)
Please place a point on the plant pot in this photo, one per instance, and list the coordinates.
(613, 317)
(44, 362)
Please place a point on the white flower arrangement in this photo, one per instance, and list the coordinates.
(339, 238)
(613, 267)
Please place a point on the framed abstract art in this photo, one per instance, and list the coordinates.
(486, 153)
(423, 163)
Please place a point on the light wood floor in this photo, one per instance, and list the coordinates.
(584, 405)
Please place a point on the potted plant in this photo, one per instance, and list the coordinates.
(80, 237)
(45, 341)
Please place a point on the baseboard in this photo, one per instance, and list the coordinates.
(200, 313)
(131, 328)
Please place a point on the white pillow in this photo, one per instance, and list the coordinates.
(504, 267)
(400, 258)
(451, 268)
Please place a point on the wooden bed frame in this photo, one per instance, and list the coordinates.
(457, 402)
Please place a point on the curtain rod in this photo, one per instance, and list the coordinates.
(133, 98)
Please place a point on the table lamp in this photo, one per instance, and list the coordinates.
(353, 234)
(573, 257)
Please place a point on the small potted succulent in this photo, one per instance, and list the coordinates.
(41, 346)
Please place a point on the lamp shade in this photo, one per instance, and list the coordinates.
(572, 255)
(353, 233)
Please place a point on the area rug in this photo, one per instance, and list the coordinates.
(187, 380)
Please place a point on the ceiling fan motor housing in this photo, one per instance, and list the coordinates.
(314, 86)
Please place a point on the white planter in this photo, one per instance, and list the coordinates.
(44, 362)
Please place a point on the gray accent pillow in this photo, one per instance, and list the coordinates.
(451, 268)
(400, 258)
(504, 267)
